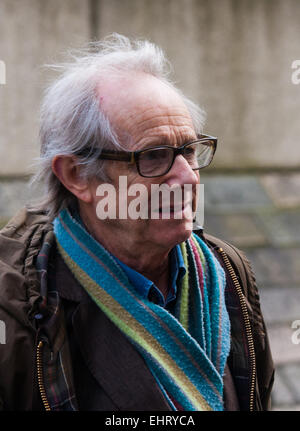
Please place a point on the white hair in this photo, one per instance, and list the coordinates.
(71, 118)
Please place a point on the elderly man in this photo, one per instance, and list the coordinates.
(104, 310)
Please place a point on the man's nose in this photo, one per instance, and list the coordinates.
(182, 172)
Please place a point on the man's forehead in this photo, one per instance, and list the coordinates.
(136, 105)
(124, 91)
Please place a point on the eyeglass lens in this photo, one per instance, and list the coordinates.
(158, 161)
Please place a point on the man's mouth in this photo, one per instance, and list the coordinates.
(181, 211)
(171, 209)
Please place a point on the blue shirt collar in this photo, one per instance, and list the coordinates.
(147, 289)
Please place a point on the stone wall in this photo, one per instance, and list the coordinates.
(233, 57)
(32, 33)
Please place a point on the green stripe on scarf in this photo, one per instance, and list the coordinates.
(187, 352)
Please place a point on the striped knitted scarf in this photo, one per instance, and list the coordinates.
(186, 351)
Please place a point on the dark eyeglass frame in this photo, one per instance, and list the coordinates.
(132, 157)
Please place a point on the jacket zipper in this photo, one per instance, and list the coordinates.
(247, 324)
(39, 364)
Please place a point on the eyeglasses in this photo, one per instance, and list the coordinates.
(157, 161)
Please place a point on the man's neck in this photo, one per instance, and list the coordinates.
(149, 260)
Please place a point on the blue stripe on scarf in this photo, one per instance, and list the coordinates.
(217, 278)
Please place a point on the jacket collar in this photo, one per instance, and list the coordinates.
(114, 362)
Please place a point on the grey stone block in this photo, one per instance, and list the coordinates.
(283, 349)
(291, 374)
(280, 305)
(287, 408)
(276, 266)
(283, 189)
(241, 230)
(281, 394)
(281, 227)
(14, 195)
(232, 194)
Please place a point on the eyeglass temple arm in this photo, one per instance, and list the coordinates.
(110, 155)
(126, 157)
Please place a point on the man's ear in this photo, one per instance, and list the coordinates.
(68, 172)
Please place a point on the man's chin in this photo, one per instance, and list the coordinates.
(171, 232)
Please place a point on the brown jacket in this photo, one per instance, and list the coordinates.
(37, 365)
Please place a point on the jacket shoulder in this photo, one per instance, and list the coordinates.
(22, 234)
(20, 242)
(23, 223)
(238, 260)
(246, 276)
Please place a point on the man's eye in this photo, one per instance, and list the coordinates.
(155, 155)
(151, 155)
(190, 151)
